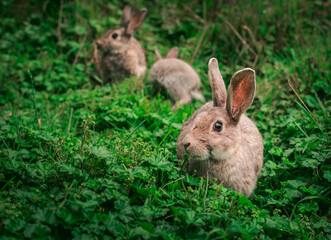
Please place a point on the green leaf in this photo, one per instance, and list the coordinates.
(308, 207)
(37, 231)
(79, 30)
(327, 175)
(276, 151)
(45, 216)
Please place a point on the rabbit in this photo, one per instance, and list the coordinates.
(117, 53)
(176, 76)
(221, 141)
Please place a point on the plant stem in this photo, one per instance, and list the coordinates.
(34, 98)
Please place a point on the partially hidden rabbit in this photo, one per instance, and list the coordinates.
(220, 140)
(176, 76)
(117, 53)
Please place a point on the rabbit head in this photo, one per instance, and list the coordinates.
(116, 39)
(173, 53)
(214, 132)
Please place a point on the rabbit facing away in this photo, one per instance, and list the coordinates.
(176, 76)
(117, 53)
(220, 140)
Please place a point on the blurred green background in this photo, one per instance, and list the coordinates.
(85, 162)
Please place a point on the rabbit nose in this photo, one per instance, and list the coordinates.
(99, 44)
(186, 145)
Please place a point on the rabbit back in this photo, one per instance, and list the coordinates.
(175, 75)
(135, 59)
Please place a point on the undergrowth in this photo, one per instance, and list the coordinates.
(85, 162)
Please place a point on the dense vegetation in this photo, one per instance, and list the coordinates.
(85, 162)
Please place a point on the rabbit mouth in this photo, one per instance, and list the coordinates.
(202, 155)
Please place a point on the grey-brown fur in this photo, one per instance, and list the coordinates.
(177, 76)
(122, 56)
(233, 155)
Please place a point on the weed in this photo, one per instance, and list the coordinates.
(82, 161)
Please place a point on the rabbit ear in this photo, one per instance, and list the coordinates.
(217, 83)
(136, 21)
(158, 54)
(126, 15)
(173, 53)
(240, 93)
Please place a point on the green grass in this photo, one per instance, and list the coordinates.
(86, 162)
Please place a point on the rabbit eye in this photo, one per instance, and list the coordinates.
(218, 126)
(115, 35)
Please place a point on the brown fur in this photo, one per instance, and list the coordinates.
(176, 76)
(121, 56)
(233, 155)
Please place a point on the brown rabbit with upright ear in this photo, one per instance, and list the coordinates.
(220, 140)
(176, 76)
(117, 53)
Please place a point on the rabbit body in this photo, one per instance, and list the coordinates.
(234, 153)
(117, 53)
(127, 61)
(177, 77)
(235, 159)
